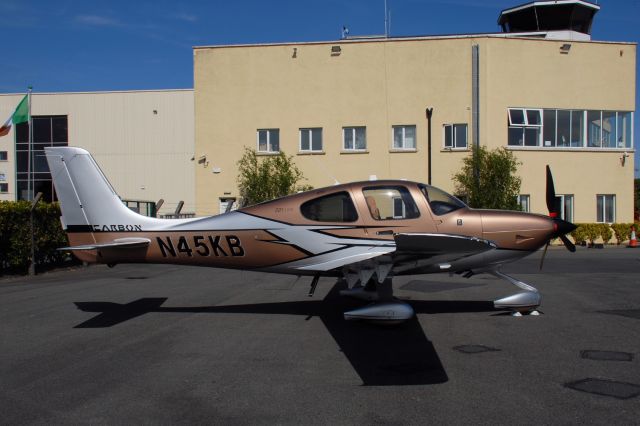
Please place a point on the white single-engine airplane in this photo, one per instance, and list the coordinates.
(365, 232)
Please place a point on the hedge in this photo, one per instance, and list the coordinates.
(15, 236)
(590, 232)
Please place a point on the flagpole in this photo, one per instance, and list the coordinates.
(29, 191)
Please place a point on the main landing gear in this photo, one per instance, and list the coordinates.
(371, 282)
(384, 308)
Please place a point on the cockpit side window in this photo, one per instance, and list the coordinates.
(439, 201)
(390, 202)
(336, 207)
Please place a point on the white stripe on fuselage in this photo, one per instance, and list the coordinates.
(328, 251)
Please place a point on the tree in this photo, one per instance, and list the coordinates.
(263, 178)
(488, 179)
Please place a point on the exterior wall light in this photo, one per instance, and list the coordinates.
(203, 160)
(336, 50)
(623, 159)
(565, 48)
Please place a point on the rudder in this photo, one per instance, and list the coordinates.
(86, 197)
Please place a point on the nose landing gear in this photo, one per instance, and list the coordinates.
(523, 303)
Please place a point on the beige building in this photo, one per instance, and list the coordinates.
(355, 108)
(142, 140)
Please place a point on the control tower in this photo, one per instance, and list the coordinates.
(559, 19)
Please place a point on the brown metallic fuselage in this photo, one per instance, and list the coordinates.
(228, 243)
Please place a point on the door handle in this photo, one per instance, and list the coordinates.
(385, 232)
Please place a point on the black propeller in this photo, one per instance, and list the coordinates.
(561, 227)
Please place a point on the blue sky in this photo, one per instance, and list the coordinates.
(122, 45)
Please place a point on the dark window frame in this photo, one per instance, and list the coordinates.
(452, 141)
(273, 147)
(310, 132)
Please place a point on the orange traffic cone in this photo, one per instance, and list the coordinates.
(633, 242)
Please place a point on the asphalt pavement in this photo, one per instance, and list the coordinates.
(163, 344)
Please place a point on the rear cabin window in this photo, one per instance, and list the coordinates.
(390, 202)
(337, 207)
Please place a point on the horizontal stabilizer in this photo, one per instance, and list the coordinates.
(115, 244)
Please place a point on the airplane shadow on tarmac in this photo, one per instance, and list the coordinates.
(381, 355)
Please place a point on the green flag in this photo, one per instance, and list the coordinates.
(20, 115)
(22, 111)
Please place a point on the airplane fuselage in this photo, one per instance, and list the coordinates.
(281, 236)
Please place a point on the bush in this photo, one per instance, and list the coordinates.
(579, 235)
(605, 232)
(592, 231)
(586, 232)
(622, 231)
(15, 236)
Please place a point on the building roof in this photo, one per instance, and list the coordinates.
(99, 92)
(538, 35)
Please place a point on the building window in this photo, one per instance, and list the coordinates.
(34, 176)
(549, 128)
(624, 121)
(269, 140)
(566, 207)
(603, 129)
(4, 188)
(311, 140)
(606, 205)
(354, 138)
(4, 156)
(455, 136)
(404, 137)
(525, 126)
(523, 202)
(570, 128)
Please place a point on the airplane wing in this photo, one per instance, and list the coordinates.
(431, 244)
(438, 248)
(115, 244)
(408, 248)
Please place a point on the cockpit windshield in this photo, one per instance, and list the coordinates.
(439, 201)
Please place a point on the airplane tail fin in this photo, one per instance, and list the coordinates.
(87, 199)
